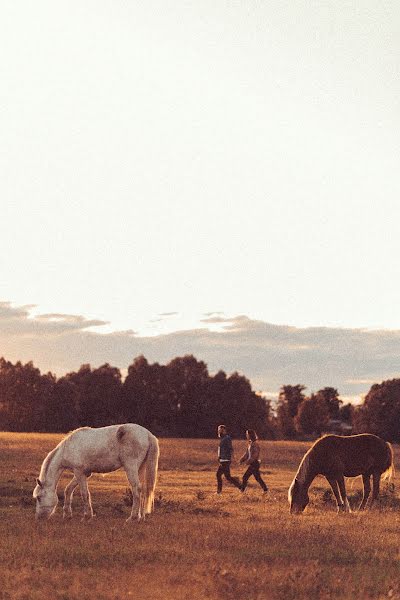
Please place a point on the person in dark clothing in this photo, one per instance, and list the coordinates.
(252, 458)
(225, 454)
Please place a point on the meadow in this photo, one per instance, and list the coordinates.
(196, 545)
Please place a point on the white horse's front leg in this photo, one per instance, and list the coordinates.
(133, 478)
(87, 500)
(68, 492)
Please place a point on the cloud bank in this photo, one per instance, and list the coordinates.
(269, 355)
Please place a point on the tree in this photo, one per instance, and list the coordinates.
(98, 394)
(290, 398)
(312, 416)
(182, 399)
(61, 412)
(24, 394)
(380, 412)
(346, 413)
(147, 398)
(330, 397)
(187, 380)
(245, 409)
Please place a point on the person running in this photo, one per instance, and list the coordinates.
(251, 458)
(225, 454)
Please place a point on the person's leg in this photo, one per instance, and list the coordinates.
(219, 479)
(227, 472)
(257, 476)
(246, 476)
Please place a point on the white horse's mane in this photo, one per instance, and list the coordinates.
(52, 453)
(68, 435)
(46, 463)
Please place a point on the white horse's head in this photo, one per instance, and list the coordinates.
(46, 500)
(298, 497)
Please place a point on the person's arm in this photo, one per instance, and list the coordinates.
(254, 453)
(243, 458)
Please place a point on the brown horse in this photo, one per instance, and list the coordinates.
(337, 457)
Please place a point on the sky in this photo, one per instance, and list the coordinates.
(216, 177)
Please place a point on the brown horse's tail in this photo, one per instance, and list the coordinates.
(388, 473)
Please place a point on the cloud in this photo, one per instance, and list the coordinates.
(269, 355)
(17, 321)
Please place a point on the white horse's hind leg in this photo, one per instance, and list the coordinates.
(68, 492)
(87, 500)
(133, 478)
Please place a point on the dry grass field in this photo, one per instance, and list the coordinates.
(196, 545)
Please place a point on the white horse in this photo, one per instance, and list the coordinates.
(101, 450)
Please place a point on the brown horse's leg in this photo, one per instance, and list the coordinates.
(366, 491)
(335, 489)
(376, 480)
(342, 488)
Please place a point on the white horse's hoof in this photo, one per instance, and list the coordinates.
(87, 518)
(133, 519)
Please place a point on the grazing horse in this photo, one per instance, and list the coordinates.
(101, 450)
(338, 457)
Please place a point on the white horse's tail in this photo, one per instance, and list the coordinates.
(149, 477)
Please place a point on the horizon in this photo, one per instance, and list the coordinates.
(269, 355)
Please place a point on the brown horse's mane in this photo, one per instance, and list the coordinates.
(304, 465)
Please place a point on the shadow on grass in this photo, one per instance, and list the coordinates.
(388, 499)
(165, 505)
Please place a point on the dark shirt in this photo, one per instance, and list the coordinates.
(225, 448)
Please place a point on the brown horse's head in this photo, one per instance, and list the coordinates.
(298, 497)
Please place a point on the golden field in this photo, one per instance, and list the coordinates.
(196, 545)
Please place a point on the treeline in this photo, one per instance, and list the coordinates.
(324, 412)
(182, 399)
(178, 399)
